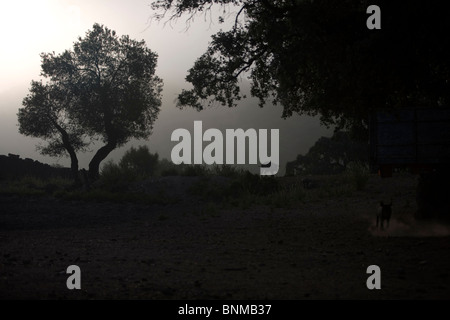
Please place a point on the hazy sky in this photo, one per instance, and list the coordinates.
(29, 27)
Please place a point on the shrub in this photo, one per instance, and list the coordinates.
(256, 184)
(358, 174)
(168, 168)
(136, 164)
(140, 162)
(225, 170)
(102, 195)
(30, 185)
(193, 170)
(115, 178)
(243, 186)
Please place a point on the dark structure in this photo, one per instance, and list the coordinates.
(13, 167)
(384, 214)
(417, 139)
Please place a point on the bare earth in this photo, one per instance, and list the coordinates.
(190, 250)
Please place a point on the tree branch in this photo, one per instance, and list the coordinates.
(238, 14)
(250, 63)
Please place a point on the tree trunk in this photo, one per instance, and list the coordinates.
(100, 155)
(71, 151)
(74, 166)
(433, 195)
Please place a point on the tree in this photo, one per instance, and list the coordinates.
(111, 82)
(330, 155)
(45, 116)
(319, 58)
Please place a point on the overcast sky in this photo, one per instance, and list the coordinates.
(33, 26)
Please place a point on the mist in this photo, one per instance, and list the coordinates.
(177, 45)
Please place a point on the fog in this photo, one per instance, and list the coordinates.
(32, 27)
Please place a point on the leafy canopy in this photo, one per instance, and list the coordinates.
(114, 81)
(105, 88)
(45, 116)
(318, 57)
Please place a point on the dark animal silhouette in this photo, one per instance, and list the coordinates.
(384, 214)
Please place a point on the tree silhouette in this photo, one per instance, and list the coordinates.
(330, 155)
(45, 116)
(318, 57)
(114, 92)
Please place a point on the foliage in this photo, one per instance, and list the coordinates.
(358, 173)
(140, 162)
(193, 170)
(329, 155)
(32, 186)
(255, 184)
(318, 57)
(168, 168)
(240, 189)
(238, 185)
(105, 88)
(103, 195)
(45, 116)
(116, 178)
(226, 170)
(135, 165)
(287, 196)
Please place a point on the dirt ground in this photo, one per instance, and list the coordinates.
(190, 250)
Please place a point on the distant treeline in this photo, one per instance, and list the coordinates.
(12, 167)
(330, 155)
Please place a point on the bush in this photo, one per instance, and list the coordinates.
(140, 162)
(256, 184)
(243, 185)
(34, 186)
(168, 168)
(358, 174)
(136, 164)
(115, 178)
(287, 196)
(225, 170)
(193, 170)
(102, 195)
